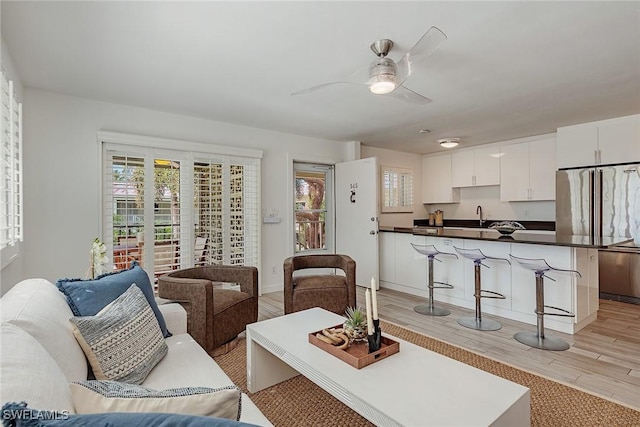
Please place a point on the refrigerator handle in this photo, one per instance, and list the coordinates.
(592, 194)
(598, 203)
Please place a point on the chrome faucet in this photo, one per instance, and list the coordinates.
(479, 211)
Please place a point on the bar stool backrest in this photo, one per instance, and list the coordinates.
(537, 265)
(430, 250)
(474, 254)
(540, 265)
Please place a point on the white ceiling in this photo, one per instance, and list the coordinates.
(507, 70)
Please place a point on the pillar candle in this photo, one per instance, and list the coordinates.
(367, 298)
(374, 299)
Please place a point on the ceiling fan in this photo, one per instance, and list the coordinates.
(386, 77)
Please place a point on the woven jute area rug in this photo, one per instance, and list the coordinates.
(299, 402)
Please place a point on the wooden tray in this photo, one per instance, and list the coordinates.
(357, 354)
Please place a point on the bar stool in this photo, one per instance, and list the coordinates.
(538, 339)
(430, 310)
(478, 322)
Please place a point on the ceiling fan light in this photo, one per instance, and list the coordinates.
(449, 142)
(382, 84)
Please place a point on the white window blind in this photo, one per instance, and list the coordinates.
(11, 206)
(195, 208)
(397, 189)
(226, 211)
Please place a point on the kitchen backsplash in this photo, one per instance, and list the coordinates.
(492, 207)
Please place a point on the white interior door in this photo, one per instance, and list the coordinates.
(356, 195)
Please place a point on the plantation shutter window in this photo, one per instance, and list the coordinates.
(170, 209)
(11, 191)
(397, 189)
(226, 206)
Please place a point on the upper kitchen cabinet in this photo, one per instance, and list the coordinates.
(471, 168)
(619, 140)
(436, 180)
(599, 143)
(528, 171)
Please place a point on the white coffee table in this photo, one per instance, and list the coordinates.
(415, 387)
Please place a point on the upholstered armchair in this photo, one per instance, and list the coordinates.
(215, 315)
(332, 292)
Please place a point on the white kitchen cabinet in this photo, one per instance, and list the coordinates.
(577, 146)
(405, 270)
(514, 172)
(462, 168)
(387, 256)
(402, 267)
(495, 278)
(619, 141)
(448, 270)
(487, 166)
(436, 180)
(411, 266)
(471, 168)
(599, 143)
(577, 294)
(527, 171)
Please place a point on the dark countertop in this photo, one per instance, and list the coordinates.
(475, 223)
(516, 237)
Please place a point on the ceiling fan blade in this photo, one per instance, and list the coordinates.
(427, 44)
(407, 95)
(322, 86)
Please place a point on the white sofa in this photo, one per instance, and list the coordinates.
(39, 355)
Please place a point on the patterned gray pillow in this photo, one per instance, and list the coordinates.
(114, 396)
(123, 342)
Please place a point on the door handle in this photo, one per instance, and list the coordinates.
(373, 232)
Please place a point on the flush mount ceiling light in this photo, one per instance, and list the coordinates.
(449, 142)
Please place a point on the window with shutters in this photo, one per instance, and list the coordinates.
(11, 214)
(226, 209)
(397, 189)
(172, 209)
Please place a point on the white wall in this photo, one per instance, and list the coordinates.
(401, 160)
(62, 196)
(13, 272)
(7, 64)
(492, 208)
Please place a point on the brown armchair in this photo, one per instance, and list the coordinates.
(330, 291)
(215, 316)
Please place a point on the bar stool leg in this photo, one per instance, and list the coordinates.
(478, 322)
(430, 309)
(537, 339)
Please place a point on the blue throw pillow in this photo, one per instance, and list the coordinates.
(19, 415)
(88, 297)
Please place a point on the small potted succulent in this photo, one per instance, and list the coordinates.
(356, 324)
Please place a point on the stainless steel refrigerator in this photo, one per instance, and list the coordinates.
(598, 201)
(605, 201)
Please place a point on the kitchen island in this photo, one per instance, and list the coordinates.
(405, 270)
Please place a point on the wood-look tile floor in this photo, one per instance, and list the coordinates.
(604, 357)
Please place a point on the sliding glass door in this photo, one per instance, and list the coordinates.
(169, 209)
